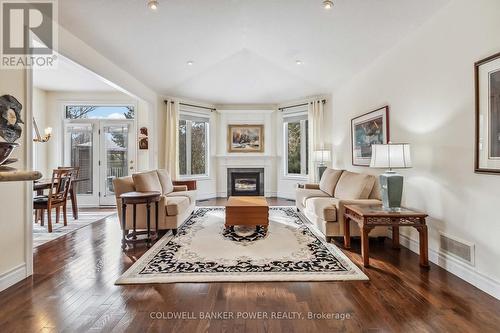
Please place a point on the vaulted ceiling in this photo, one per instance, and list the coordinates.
(244, 51)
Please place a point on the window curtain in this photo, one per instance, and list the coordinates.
(172, 138)
(316, 120)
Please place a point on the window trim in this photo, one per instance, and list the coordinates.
(206, 119)
(303, 149)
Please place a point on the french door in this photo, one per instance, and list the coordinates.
(104, 150)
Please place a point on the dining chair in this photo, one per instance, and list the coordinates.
(56, 198)
(72, 190)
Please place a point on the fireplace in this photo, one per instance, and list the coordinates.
(245, 182)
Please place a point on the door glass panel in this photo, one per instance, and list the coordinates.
(81, 155)
(116, 151)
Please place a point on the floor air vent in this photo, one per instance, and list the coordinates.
(457, 248)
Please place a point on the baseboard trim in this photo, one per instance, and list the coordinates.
(13, 276)
(205, 196)
(456, 267)
(286, 195)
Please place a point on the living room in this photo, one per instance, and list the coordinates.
(276, 166)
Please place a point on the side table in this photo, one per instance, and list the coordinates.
(370, 216)
(134, 199)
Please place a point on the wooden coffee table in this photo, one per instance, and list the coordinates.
(247, 211)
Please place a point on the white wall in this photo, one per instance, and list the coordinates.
(40, 150)
(428, 81)
(13, 195)
(78, 51)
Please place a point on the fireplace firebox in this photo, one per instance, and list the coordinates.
(245, 182)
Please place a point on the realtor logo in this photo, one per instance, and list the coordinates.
(28, 36)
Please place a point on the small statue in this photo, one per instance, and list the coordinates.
(10, 118)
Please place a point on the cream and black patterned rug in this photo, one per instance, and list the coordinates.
(202, 251)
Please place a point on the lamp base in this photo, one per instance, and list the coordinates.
(321, 170)
(391, 188)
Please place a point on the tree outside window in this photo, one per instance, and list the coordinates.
(193, 146)
(296, 147)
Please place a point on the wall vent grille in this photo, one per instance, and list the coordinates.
(457, 248)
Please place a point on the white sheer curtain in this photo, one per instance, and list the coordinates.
(172, 138)
(316, 121)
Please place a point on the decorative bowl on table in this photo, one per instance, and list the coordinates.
(6, 149)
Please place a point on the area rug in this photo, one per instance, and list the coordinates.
(202, 251)
(85, 217)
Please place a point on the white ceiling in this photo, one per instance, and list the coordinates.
(244, 51)
(68, 76)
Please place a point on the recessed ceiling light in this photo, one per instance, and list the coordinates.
(327, 4)
(298, 62)
(190, 63)
(153, 4)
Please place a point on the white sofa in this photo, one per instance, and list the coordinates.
(324, 203)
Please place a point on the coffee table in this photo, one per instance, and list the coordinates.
(247, 211)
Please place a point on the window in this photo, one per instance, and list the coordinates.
(296, 144)
(193, 145)
(99, 112)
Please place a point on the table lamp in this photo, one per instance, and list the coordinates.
(391, 156)
(322, 156)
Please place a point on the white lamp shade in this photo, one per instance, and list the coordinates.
(392, 156)
(322, 155)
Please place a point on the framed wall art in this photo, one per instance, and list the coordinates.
(487, 146)
(143, 138)
(366, 130)
(245, 138)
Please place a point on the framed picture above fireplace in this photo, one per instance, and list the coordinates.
(245, 138)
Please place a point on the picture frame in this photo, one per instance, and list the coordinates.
(487, 115)
(143, 138)
(368, 129)
(245, 138)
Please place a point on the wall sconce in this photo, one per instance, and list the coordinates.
(39, 138)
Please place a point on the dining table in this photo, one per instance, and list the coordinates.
(44, 184)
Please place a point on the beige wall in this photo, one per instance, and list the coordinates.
(428, 81)
(13, 195)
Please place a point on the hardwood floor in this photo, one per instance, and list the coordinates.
(72, 290)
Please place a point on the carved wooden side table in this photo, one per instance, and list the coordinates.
(368, 217)
(134, 199)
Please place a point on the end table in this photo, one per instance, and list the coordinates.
(370, 216)
(134, 199)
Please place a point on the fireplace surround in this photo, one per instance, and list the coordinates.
(245, 182)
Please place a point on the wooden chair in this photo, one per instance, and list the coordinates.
(72, 190)
(56, 198)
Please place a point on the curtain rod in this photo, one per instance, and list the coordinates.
(194, 106)
(303, 104)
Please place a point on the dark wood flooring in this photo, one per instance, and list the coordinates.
(72, 290)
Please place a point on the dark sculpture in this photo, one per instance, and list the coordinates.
(10, 118)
